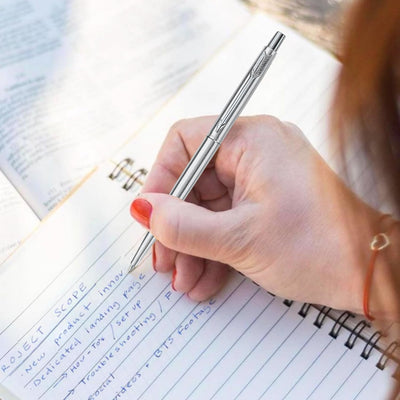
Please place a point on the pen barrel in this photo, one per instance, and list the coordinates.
(211, 143)
(195, 168)
(242, 94)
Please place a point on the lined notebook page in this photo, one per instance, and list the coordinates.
(75, 326)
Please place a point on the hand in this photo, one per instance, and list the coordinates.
(267, 205)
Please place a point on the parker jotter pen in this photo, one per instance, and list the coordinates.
(213, 140)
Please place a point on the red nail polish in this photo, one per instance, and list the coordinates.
(173, 279)
(154, 258)
(141, 211)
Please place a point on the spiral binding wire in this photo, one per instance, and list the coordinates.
(124, 164)
(321, 316)
(371, 344)
(132, 176)
(339, 323)
(287, 302)
(387, 354)
(305, 308)
(356, 333)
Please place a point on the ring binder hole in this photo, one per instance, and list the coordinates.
(387, 354)
(287, 302)
(126, 162)
(133, 178)
(355, 333)
(304, 310)
(339, 323)
(371, 344)
(321, 316)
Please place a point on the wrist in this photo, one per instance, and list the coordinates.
(359, 223)
(383, 301)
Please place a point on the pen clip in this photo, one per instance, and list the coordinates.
(260, 64)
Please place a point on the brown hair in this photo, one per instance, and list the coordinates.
(367, 102)
(367, 97)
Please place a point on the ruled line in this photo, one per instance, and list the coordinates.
(367, 382)
(231, 347)
(269, 358)
(308, 368)
(290, 361)
(347, 378)
(208, 346)
(250, 353)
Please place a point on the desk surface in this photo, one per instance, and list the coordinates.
(318, 20)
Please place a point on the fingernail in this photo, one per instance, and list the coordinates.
(154, 258)
(141, 211)
(173, 279)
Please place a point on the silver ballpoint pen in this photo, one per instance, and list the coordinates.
(213, 140)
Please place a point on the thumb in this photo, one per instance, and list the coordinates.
(186, 227)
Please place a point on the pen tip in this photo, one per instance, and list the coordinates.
(131, 268)
(134, 262)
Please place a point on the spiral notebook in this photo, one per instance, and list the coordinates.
(77, 326)
(74, 325)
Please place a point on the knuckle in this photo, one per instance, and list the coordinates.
(279, 129)
(292, 128)
(270, 126)
(270, 120)
(291, 125)
(177, 125)
(294, 132)
(176, 128)
(183, 130)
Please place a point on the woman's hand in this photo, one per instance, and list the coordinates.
(267, 205)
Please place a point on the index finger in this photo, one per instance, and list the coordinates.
(182, 141)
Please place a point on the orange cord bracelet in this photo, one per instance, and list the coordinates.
(379, 242)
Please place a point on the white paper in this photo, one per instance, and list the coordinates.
(78, 78)
(17, 219)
